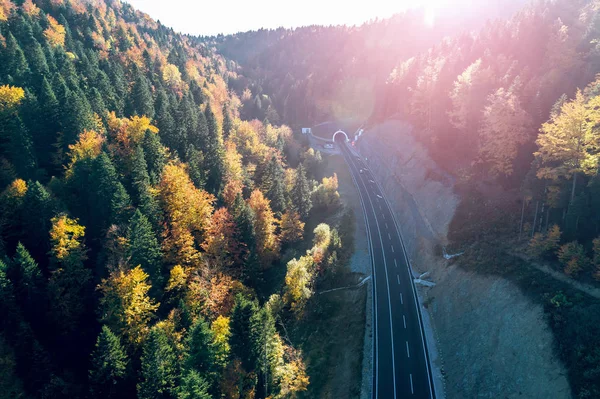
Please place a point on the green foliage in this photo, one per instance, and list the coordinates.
(241, 330)
(193, 386)
(573, 257)
(109, 366)
(200, 351)
(300, 195)
(158, 369)
(144, 248)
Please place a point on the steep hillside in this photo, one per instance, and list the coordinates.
(140, 216)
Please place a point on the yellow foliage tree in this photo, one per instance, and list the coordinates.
(126, 306)
(188, 212)
(292, 227)
(504, 129)
(267, 242)
(172, 77)
(234, 173)
(10, 97)
(568, 143)
(30, 9)
(6, 7)
(129, 132)
(88, 146)
(222, 332)
(66, 236)
(55, 33)
(298, 283)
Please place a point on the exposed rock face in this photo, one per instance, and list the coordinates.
(492, 340)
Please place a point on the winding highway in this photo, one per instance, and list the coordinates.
(401, 362)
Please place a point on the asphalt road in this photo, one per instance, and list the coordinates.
(401, 363)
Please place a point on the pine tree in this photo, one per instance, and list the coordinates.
(164, 119)
(109, 366)
(274, 182)
(110, 203)
(142, 103)
(200, 353)
(29, 284)
(193, 386)
(48, 132)
(155, 156)
(213, 154)
(143, 195)
(38, 209)
(159, 367)
(196, 168)
(300, 195)
(144, 248)
(227, 124)
(241, 330)
(262, 342)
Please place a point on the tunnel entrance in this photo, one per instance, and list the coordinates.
(340, 135)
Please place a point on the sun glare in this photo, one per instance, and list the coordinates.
(430, 16)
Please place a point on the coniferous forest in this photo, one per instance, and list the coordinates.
(138, 215)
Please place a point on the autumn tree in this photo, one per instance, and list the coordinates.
(567, 145)
(55, 33)
(267, 242)
(326, 196)
(188, 212)
(298, 283)
(68, 286)
(220, 246)
(125, 305)
(292, 228)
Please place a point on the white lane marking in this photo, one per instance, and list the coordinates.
(404, 320)
(411, 385)
(392, 248)
(389, 236)
(379, 207)
(372, 181)
(407, 350)
(401, 299)
(379, 196)
(398, 277)
(396, 262)
(388, 292)
(386, 226)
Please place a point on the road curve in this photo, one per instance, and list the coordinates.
(401, 362)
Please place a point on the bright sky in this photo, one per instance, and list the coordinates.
(229, 16)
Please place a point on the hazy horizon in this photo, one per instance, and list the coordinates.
(269, 14)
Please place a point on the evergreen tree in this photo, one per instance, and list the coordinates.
(109, 366)
(38, 208)
(274, 182)
(193, 386)
(213, 154)
(262, 341)
(159, 368)
(144, 248)
(196, 168)
(143, 196)
(300, 195)
(110, 203)
(164, 119)
(29, 284)
(142, 103)
(48, 130)
(241, 331)
(227, 124)
(200, 354)
(76, 116)
(155, 156)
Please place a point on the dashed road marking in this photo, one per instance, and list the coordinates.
(392, 248)
(404, 320)
(386, 226)
(379, 196)
(411, 385)
(407, 350)
(401, 299)
(389, 236)
(396, 262)
(398, 277)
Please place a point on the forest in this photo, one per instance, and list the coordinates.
(139, 215)
(510, 111)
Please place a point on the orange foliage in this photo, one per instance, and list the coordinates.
(267, 242)
(6, 8)
(220, 245)
(188, 211)
(55, 33)
(129, 132)
(30, 9)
